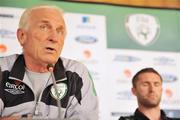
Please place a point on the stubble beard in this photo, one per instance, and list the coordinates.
(148, 103)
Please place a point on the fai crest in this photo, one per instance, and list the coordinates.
(62, 90)
(142, 28)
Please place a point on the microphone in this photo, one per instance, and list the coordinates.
(0, 74)
(50, 68)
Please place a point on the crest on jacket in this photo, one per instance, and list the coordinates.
(61, 91)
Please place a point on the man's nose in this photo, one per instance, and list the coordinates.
(53, 36)
(152, 87)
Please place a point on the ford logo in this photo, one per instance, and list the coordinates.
(86, 39)
(169, 78)
(126, 58)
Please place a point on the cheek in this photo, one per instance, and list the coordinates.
(38, 35)
(38, 41)
(143, 90)
(34, 45)
(60, 44)
(31, 47)
(159, 91)
(139, 91)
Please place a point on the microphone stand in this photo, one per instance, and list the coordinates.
(0, 74)
(50, 67)
(56, 91)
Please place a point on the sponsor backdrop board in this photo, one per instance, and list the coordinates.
(114, 42)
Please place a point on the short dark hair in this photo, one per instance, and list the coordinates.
(144, 70)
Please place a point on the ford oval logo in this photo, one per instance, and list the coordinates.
(6, 33)
(126, 58)
(162, 60)
(86, 39)
(169, 78)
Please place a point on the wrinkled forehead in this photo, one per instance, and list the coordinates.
(41, 13)
(32, 15)
(149, 76)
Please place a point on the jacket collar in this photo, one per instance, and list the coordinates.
(18, 69)
(141, 116)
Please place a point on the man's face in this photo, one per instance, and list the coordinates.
(148, 90)
(43, 39)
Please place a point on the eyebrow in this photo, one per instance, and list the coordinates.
(47, 22)
(44, 21)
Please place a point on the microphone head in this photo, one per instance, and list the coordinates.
(50, 67)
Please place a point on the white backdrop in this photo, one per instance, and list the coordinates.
(111, 69)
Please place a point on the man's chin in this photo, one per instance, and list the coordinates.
(151, 104)
(51, 60)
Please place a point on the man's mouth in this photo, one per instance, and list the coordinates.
(152, 95)
(50, 49)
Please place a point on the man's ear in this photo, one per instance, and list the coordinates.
(21, 36)
(133, 90)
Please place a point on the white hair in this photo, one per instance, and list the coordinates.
(23, 23)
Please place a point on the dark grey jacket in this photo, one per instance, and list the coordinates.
(140, 116)
(78, 98)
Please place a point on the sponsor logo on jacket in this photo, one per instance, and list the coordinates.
(14, 89)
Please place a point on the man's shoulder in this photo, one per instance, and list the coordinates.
(8, 61)
(131, 117)
(71, 64)
(69, 61)
(169, 118)
(14, 56)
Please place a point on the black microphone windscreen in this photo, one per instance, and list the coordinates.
(50, 66)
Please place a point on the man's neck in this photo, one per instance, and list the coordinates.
(152, 113)
(35, 66)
